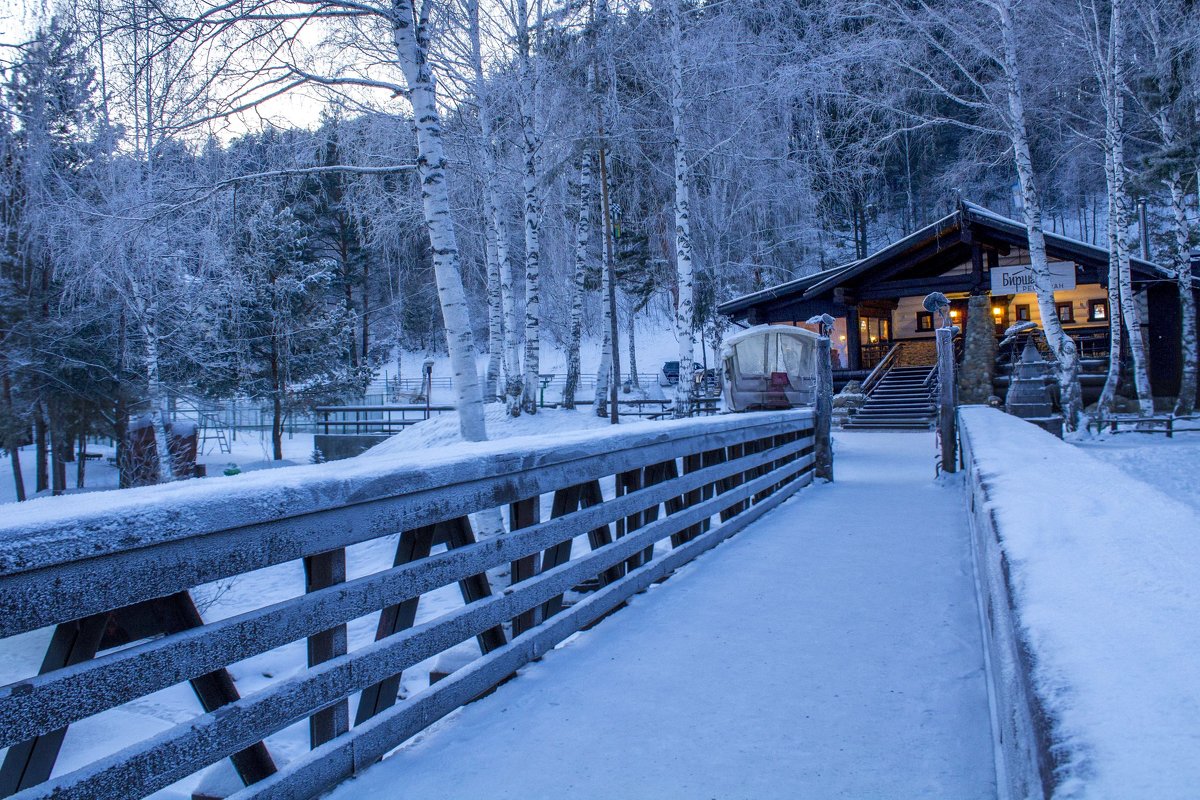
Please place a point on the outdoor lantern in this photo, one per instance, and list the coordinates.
(997, 312)
(954, 313)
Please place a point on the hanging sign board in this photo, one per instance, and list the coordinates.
(1019, 279)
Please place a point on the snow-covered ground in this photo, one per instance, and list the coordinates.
(1171, 465)
(250, 451)
(1102, 543)
(832, 649)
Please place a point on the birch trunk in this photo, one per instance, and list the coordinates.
(582, 234)
(514, 387)
(1120, 205)
(604, 372)
(1063, 348)
(683, 233)
(491, 388)
(154, 390)
(513, 384)
(1186, 402)
(532, 212)
(1108, 394)
(411, 43)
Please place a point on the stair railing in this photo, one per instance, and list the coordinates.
(881, 369)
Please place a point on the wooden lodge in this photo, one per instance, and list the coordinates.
(877, 300)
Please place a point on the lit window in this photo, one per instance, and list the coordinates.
(1098, 310)
(1066, 312)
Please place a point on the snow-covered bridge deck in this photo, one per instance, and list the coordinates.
(830, 650)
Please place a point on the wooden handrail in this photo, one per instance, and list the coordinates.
(681, 487)
(881, 368)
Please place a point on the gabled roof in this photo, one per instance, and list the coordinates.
(795, 285)
(946, 239)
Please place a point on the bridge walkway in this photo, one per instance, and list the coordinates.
(830, 650)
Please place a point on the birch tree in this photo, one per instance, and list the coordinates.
(1107, 51)
(497, 232)
(411, 39)
(684, 324)
(955, 57)
(527, 108)
(1172, 30)
(583, 227)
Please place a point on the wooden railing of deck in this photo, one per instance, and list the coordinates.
(650, 497)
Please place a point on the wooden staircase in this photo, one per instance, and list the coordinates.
(901, 400)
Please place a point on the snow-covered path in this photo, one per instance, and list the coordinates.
(830, 650)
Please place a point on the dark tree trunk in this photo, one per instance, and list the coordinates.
(39, 439)
(366, 308)
(81, 463)
(276, 404)
(12, 442)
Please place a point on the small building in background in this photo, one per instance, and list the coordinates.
(876, 301)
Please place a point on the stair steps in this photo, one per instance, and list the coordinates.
(900, 401)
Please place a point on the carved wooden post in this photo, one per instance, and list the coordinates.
(946, 399)
(822, 435)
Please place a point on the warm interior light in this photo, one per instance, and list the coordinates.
(842, 338)
(997, 311)
(954, 313)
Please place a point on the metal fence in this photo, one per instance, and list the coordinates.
(648, 501)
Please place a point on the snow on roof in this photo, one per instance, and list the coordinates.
(1105, 576)
(761, 330)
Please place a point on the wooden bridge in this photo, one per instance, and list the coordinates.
(593, 519)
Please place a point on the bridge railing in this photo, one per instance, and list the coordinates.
(648, 498)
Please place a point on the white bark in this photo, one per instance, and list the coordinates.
(411, 43)
(582, 234)
(1108, 394)
(532, 211)
(513, 384)
(495, 316)
(156, 396)
(1065, 352)
(1112, 73)
(683, 234)
(604, 372)
(1186, 402)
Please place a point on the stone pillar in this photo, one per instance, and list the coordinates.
(979, 353)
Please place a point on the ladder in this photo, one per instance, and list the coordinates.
(211, 428)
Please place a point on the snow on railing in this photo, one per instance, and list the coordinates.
(1088, 583)
(116, 568)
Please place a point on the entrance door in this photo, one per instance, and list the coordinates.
(875, 336)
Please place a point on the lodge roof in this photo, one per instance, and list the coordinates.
(942, 243)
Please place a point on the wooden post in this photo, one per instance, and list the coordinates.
(822, 435)
(413, 546)
(946, 398)
(321, 571)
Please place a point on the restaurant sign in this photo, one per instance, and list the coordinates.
(1019, 279)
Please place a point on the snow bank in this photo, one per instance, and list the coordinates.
(443, 430)
(1101, 573)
